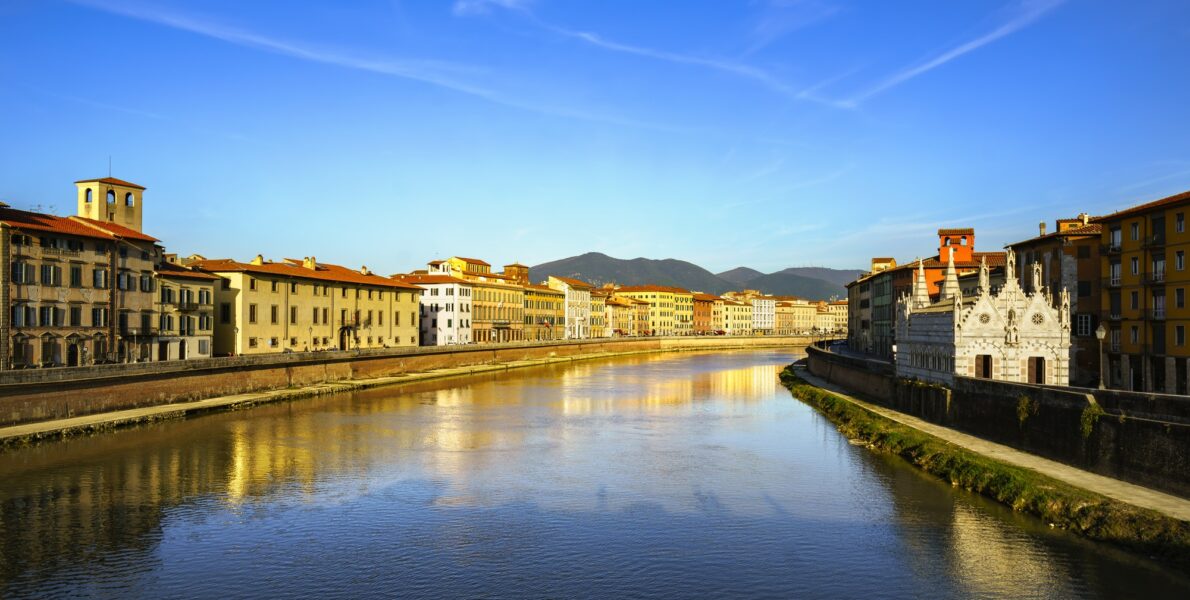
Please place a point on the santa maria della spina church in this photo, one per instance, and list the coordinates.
(1006, 334)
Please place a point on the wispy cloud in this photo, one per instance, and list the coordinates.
(779, 18)
(745, 71)
(1026, 13)
(481, 7)
(448, 75)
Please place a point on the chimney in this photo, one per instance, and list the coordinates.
(259, 260)
(1085, 218)
(364, 270)
(310, 262)
(1041, 228)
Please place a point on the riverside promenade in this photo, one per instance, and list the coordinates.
(1166, 504)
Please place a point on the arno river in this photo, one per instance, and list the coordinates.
(669, 476)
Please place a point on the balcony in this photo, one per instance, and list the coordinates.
(502, 324)
(1114, 346)
(1113, 282)
(127, 331)
(1114, 316)
(1157, 278)
(1154, 241)
(185, 306)
(1157, 314)
(1112, 248)
(59, 252)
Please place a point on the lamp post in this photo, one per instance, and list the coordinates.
(1100, 333)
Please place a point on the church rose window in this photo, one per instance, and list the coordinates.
(985, 318)
(1038, 319)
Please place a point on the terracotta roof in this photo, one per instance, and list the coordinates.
(600, 293)
(1168, 201)
(117, 230)
(542, 288)
(653, 288)
(420, 278)
(705, 298)
(172, 270)
(323, 272)
(959, 231)
(574, 283)
(1091, 229)
(516, 265)
(31, 221)
(474, 261)
(995, 259)
(113, 181)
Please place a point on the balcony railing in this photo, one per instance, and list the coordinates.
(1113, 282)
(501, 324)
(1156, 278)
(1154, 241)
(1158, 313)
(186, 306)
(1114, 316)
(1114, 346)
(137, 331)
(1113, 248)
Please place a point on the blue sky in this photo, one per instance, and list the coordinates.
(762, 133)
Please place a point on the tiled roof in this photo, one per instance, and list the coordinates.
(113, 181)
(117, 230)
(959, 231)
(1091, 229)
(323, 272)
(31, 221)
(574, 283)
(653, 288)
(171, 270)
(1168, 201)
(474, 261)
(705, 297)
(543, 288)
(995, 259)
(420, 278)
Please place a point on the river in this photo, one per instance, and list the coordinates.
(662, 476)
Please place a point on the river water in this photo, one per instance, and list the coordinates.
(667, 476)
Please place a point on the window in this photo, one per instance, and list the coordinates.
(204, 347)
(111, 197)
(99, 278)
(88, 197)
(129, 200)
(293, 289)
(252, 342)
(273, 286)
(51, 275)
(251, 284)
(1179, 298)
(325, 314)
(1179, 260)
(1135, 265)
(76, 276)
(1134, 231)
(293, 316)
(1135, 300)
(1082, 325)
(397, 319)
(273, 310)
(76, 316)
(251, 313)
(1134, 334)
(1179, 335)
(314, 320)
(1179, 222)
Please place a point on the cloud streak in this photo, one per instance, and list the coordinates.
(1029, 12)
(443, 74)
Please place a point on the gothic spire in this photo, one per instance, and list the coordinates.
(921, 292)
(950, 283)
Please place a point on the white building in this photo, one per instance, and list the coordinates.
(764, 315)
(578, 306)
(1008, 335)
(445, 308)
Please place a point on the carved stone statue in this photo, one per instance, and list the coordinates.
(1038, 285)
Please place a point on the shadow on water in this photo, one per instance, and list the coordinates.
(655, 476)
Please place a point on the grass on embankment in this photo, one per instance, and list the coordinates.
(1086, 513)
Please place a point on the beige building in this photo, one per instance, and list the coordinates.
(737, 317)
(185, 308)
(621, 316)
(831, 317)
(79, 290)
(545, 313)
(599, 319)
(663, 302)
(302, 305)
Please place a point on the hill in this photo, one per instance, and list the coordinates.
(739, 275)
(813, 283)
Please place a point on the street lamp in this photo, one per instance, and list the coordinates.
(1100, 333)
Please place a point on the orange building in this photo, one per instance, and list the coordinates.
(704, 305)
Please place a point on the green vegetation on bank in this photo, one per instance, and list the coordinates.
(1086, 513)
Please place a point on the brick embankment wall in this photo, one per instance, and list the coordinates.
(46, 394)
(1136, 437)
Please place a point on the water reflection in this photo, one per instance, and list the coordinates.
(663, 476)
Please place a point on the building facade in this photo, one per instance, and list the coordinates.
(704, 311)
(578, 306)
(186, 312)
(545, 313)
(1008, 335)
(445, 308)
(497, 303)
(265, 307)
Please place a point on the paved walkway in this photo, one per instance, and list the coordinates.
(1173, 506)
(48, 429)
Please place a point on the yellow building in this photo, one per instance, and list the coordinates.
(663, 301)
(784, 314)
(683, 312)
(737, 317)
(301, 305)
(545, 313)
(599, 324)
(641, 310)
(186, 312)
(622, 316)
(498, 307)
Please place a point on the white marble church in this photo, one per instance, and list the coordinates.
(1008, 335)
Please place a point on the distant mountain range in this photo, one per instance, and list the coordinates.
(812, 283)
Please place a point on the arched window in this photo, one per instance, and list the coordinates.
(111, 197)
(88, 196)
(129, 200)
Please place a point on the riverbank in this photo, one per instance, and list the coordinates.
(18, 435)
(1160, 530)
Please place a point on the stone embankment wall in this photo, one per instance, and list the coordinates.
(1136, 437)
(46, 394)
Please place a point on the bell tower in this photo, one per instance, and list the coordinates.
(110, 200)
